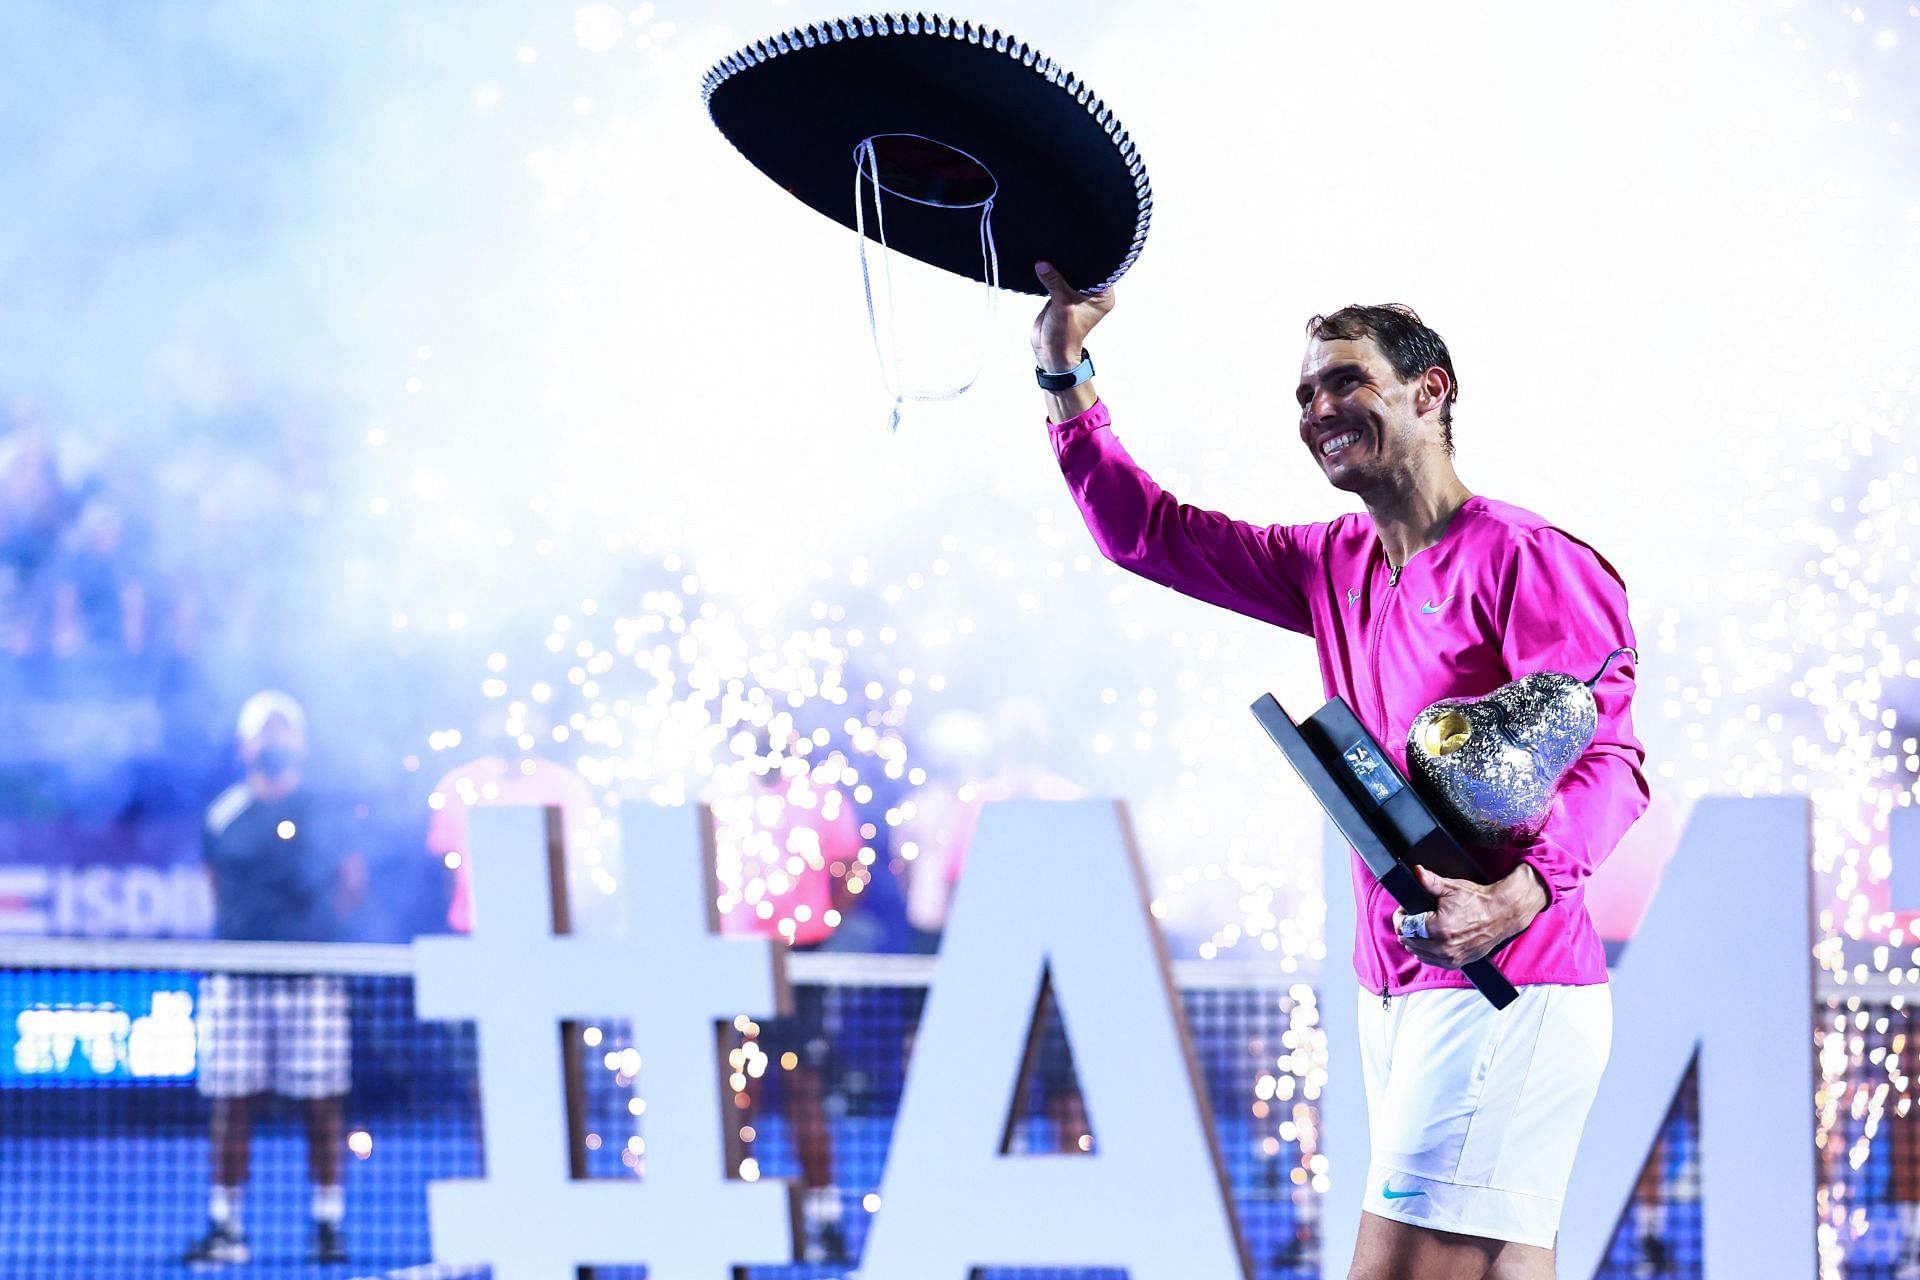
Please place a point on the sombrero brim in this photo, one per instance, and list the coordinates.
(1071, 187)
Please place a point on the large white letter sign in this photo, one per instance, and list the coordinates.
(518, 981)
(1721, 967)
(1054, 888)
(1343, 1103)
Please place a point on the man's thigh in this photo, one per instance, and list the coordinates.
(1389, 1250)
(1522, 1262)
(1476, 1122)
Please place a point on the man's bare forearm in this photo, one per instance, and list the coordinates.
(1070, 403)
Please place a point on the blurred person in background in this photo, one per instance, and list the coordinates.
(791, 868)
(971, 763)
(34, 510)
(278, 876)
(100, 596)
(592, 848)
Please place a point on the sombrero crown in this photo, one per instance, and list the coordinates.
(949, 114)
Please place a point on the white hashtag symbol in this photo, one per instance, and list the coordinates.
(674, 978)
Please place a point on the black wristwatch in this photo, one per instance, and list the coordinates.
(1082, 372)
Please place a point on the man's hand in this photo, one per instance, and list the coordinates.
(1061, 328)
(1472, 919)
(1059, 333)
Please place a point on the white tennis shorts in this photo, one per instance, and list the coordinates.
(1475, 1113)
(261, 1032)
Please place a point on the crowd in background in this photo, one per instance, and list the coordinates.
(146, 594)
(131, 594)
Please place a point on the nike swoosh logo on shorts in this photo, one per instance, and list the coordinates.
(1391, 1194)
(1431, 607)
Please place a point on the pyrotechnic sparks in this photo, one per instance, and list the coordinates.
(1761, 509)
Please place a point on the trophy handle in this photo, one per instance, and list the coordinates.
(1625, 648)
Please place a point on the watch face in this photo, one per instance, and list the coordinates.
(1082, 372)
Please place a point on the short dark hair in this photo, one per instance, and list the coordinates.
(1408, 344)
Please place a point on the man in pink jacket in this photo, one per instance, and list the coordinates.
(1432, 592)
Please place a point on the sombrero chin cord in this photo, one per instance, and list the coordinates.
(867, 167)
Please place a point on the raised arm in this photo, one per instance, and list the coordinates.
(1258, 571)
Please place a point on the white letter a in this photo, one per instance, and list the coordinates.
(1054, 887)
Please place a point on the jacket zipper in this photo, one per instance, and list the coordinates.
(1366, 923)
(1373, 654)
(1379, 701)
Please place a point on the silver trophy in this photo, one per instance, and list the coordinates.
(1491, 765)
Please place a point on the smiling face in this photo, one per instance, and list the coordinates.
(1365, 426)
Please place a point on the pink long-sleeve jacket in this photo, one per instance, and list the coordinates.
(1502, 595)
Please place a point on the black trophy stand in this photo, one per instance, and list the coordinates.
(1382, 817)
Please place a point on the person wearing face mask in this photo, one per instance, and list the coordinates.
(1430, 592)
(278, 875)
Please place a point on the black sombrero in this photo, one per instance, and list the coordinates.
(945, 115)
